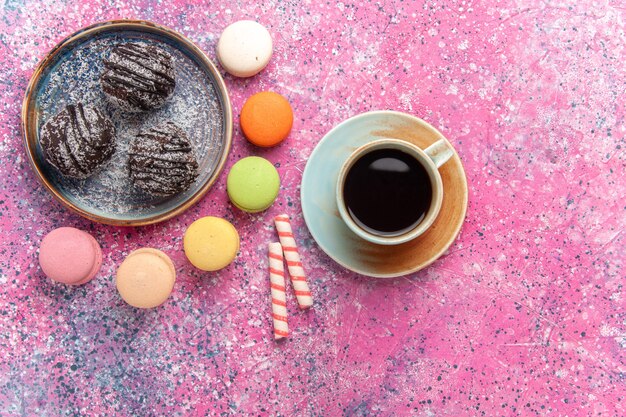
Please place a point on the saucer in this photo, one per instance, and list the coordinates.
(199, 105)
(322, 217)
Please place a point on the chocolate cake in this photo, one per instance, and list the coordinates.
(138, 77)
(78, 140)
(162, 160)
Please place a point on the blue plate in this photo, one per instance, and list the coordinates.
(199, 105)
(320, 208)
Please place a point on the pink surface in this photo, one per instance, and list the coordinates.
(523, 316)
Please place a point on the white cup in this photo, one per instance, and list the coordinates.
(430, 159)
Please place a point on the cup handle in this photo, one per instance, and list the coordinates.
(440, 152)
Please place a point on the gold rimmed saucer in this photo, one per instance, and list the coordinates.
(320, 208)
(200, 105)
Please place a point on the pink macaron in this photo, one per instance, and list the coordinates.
(70, 256)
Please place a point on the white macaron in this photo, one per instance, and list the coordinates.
(245, 48)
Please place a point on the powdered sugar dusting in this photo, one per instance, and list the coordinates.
(138, 76)
(78, 140)
(162, 161)
(194, 106)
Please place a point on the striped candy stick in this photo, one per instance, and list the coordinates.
(298, 278)
(277, 285)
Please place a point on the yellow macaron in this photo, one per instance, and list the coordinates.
(211, 243)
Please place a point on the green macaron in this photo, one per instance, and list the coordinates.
(253, 184)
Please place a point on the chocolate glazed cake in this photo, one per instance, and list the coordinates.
(138, 77)
(162, 161)
(78, 140)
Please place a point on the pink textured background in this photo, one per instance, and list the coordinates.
(524, 315)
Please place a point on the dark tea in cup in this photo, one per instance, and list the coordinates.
(387, 192)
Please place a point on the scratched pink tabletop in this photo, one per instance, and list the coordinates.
(523, 316)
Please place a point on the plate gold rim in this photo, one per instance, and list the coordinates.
(29, 118)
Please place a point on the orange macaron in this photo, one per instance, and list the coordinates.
(266, 119)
